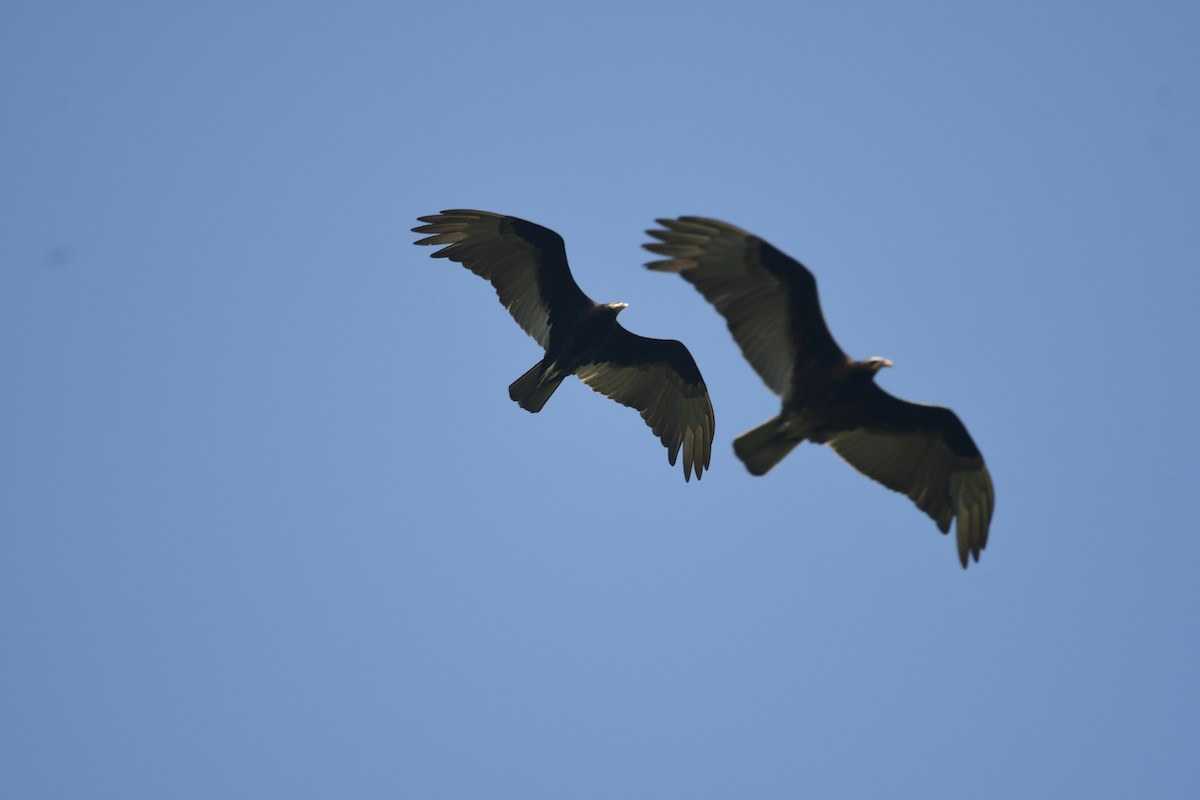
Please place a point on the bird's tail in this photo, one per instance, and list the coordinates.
(533, 389)
(765, 446)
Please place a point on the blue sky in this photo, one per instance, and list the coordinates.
(271, 527)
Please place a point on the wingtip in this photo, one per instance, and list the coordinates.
(697, 452)
(971, 532)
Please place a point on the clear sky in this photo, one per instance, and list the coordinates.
(271, 527)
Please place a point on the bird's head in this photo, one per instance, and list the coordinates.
(876, 363)
(616, 308)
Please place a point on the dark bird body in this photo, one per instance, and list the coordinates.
(527, 265)
(770, 304)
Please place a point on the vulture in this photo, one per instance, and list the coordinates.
(527, 266)
(769, 302)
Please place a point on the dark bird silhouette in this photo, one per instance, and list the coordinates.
(769, 301)
(527, 265)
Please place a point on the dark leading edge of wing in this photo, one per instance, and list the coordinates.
(527, 266)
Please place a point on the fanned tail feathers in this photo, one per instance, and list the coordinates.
(533, 389)
(765, 446)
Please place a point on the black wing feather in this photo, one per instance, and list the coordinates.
(660, 379)
(769, 299)
(926, 453)
(526, 263)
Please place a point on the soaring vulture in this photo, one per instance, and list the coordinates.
(527, 265)
(769, 301)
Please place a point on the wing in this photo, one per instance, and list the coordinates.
(769, 300)
(660, 379)
(925, 453)
(526, 263)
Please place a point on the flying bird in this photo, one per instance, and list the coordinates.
(769, 301)
(527, 266)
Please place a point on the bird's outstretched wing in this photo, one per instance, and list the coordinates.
(925, 453)
(660, 379)
(526, 263)
(769, 300)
